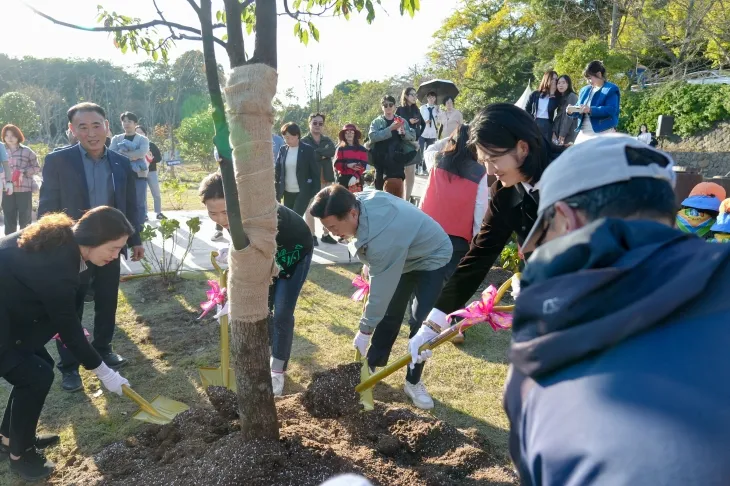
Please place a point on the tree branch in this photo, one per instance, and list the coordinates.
(127, 28)
(295, 15)
(236, 48)
(195, 6)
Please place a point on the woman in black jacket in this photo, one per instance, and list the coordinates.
(543, 102)
(509, 142)
(409, 111)
(297, 171)
(40, 268)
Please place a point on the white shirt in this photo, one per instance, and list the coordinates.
(645, 137)
(542, 108)
(430, 131)
(290, 170)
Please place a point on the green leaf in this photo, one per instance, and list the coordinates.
(296, 4)
(314, 31)
(371, 11)
(218, 16)
(155, 56)
(305, 37)
(224, 37)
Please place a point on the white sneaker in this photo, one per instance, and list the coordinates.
(217, 236)
(418, 394)
(277, 383)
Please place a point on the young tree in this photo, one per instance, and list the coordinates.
(251, 206)
(20, 110)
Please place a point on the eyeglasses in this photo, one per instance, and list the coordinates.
(388, 105)
(318, 124)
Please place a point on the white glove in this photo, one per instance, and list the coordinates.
(361, 342)
(9, 188)
(112, 380)
(424, 335)
(515, 286)
(222, 257)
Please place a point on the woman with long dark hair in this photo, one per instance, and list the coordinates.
(457, 193)
(409, 111)
(543, 102)
(41, 268)
(509, 143)
(563, 124)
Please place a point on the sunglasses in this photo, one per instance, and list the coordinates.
(318, 124)
(388, 105)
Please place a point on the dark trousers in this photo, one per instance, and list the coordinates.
(423, 144)
(105, 283)
(546, 127)
(425, 286)
(17, 209)
(283, 296)
(31, 379)
(296, 201)
(379, 179)
(460, 248)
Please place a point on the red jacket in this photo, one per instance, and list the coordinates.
(350, 154)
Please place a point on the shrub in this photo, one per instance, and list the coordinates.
(161, 261)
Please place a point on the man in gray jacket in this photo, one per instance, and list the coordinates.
(407, 253)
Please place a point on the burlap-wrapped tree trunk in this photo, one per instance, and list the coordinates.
(249, 95)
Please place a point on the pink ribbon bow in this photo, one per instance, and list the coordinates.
(363, 288)
(482, 311)
(57, 337)
(216, 296)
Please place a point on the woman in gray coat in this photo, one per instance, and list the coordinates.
(564, 126)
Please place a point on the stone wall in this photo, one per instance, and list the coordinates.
(708, 152)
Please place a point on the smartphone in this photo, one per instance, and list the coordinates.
(575, 108)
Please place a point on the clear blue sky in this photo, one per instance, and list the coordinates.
(347, 50)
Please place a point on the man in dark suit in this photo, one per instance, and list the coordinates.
(76, 179)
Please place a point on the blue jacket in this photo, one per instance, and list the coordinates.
(605, 107)
(619, 360)
(64, 186)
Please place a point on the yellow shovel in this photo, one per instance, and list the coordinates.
(161, 410)
(217, 376)
(368, 381)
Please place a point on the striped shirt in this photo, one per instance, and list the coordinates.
(24, 160)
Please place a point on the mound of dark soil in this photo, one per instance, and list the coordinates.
(391, 446)
(332, 393)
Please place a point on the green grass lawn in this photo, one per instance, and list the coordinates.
(158, 332)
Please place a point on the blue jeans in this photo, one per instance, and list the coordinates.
(141, 186)
(425, 286)
(283, 296)
(153, 182)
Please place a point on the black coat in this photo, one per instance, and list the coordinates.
(64, 187)
(510, 210)
(532, 103)
(38, 300)
(308, 171)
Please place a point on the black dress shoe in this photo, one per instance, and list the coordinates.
(328, 239)
(71, 381)
(32, 465)
(42, 441)
(314, 241)
(113, 360)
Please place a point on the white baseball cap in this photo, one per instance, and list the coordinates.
(595, 163)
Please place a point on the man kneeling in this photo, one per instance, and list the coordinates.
(407, 253)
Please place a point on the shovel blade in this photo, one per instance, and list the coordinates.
(166, 409)
(214, 377)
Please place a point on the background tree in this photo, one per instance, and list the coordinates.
(20, 110)
(194, 136)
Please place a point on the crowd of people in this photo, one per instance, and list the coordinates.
(617, 339)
